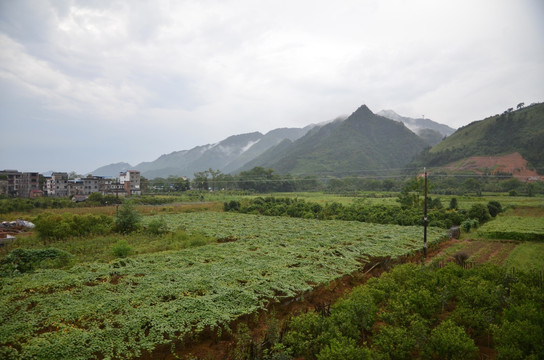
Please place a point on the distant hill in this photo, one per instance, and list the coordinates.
(419, 124)
(520, 131)
(226, 155)
(362, 142)
(112, 169)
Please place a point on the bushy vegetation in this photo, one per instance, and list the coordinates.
(25, 205)
(127, 219)
(21, 261)
(359, 211)
(56, 227)
(417, 312)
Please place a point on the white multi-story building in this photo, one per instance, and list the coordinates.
(131, 182)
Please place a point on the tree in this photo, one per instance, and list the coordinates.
(178, 183)
(520, 105)
(453, 204)
(74, 175)
(388, 184)
(144, 184)
(472, 184)
(200, 180)
(213, 174)
(257, 179)
(494, 208)
(127, 219)
(411, 193)
(479, 212)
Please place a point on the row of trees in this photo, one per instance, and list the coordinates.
(263, 180)
(257, 179)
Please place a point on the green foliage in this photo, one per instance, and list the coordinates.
(521, 333)
(450, 341)
(411, 193)
(479, 212)
(122, 308)
(342, 348)
(233, 205)
(359, 211)
(53, 226)
(127, 219)
(26, 205)
(521, 228)
(394, 342)
(22, 260)
(416, 320)
(494, 208)
(121, 249)
(470, 224)
(453, 204)
(157, 226)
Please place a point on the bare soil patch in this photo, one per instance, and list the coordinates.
(513, 164)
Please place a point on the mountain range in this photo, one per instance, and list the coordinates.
(362, 141)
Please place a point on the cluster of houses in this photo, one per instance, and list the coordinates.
(32, 184)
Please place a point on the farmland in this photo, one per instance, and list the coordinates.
(137, 303)
(206, 272)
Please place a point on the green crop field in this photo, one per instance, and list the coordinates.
(121, 308)
(524, 224)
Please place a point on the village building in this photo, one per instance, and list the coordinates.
(131, 182)
(16, 184)
(30, 184)
(57, 184)
(14, 181)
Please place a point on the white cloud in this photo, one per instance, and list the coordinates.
(195, 72)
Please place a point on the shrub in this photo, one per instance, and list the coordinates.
(232, 205)
(449, 341)
(466, 225)
(25, 260)
(52, 226)
(453, 204)
(157, 226)
(394, 342)
(121, 249)
(343, 348)
(494, 208)
(127, 219)
(480, 212)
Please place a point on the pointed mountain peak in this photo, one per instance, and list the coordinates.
(363, 110)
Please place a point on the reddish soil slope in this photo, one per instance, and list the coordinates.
(513, 164)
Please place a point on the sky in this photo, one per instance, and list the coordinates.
(86, 83)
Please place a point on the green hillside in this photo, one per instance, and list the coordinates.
(362, 142)
(515, 131)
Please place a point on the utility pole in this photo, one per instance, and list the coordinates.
(425, 217)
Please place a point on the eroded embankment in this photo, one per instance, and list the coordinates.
(221, 343)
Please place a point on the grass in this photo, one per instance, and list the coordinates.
(528, 256)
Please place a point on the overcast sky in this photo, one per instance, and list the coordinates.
(88, 83)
